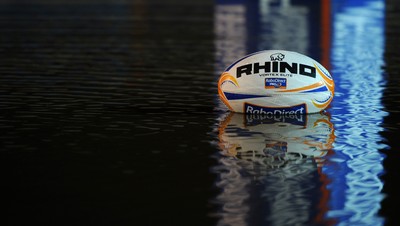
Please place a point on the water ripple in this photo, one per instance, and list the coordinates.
(357, 114)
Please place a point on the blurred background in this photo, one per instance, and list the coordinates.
(110, 114)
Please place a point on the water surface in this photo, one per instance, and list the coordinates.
(110, 114)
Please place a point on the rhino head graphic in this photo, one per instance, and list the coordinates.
(277, 57)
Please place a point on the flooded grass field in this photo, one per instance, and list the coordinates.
(110, 114)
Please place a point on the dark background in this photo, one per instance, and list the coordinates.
(392, 122)
(107, 112)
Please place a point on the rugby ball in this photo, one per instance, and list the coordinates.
(276, 82)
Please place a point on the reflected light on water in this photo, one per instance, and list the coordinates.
(357, 112)
(268, 166)
(287, 21)
(324, 169)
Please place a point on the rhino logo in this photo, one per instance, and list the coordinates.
(277, 57)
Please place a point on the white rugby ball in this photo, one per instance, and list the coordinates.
(276, 82)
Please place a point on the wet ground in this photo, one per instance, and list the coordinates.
(110, 114)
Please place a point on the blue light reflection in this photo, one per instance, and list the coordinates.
(341, 188)
(357, 112)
